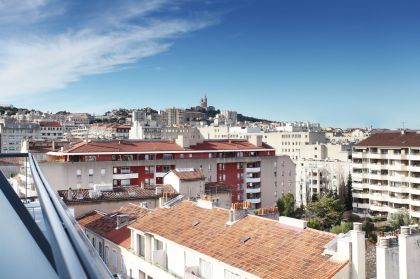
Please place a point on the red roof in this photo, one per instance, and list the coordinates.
(392, 139)
(49, 124)
(166, 146)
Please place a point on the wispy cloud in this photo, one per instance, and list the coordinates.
(46, 61)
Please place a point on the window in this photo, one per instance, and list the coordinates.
(101, 252)
(114, 260)
(93, 242)
(230, 275)
(141, 245)
(125, 182)
(158, 245)
(103, 172)
(205, 269)
(142, 275)
(79, 172)
(106, 259)
(90, 172)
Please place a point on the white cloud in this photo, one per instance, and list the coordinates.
(45, 62)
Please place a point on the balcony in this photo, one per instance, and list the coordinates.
(379, 197)
(253, 170)
(126, 176)
(415, 179)
(399, 200)
(253, 190)
(414, 168)
(361, 205)
(378, 208)
(46, 241)
(361, 195)
(253, 179)
(415, 202)
(415, 214)
(160, 174)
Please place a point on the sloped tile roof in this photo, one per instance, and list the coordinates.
(273, 251)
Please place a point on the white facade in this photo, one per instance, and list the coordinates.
(385, 180)
(13, 134)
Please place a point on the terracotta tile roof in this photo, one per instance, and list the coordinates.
(120, 193)
(151, 146)
(273, 251)
(49, 124)
(392, 139)
(105, 225)
(191, 175)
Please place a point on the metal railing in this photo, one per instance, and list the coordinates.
(63, 242)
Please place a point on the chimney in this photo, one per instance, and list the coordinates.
(358, 264)
(69, 194)
(256, 140)
(387, 258)
(292, 222)
(409, 253)
(53, 145)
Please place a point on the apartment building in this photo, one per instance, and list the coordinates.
(172, 117)
(250, 168)
(109, 131)
(13, 134)
(51, 130)
(386, 174)
(197, 240)
(285, 143)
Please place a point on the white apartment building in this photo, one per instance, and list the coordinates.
(51, 130)
(197, 240)
(285, 143)
(13, 134)
(386, 174)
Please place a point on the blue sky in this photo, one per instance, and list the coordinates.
(351, 63)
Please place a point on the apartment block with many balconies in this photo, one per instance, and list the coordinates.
(250, 168)
(386, 174)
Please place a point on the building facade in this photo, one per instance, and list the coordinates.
(250, 168)
(386, 174)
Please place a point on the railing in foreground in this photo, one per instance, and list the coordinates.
(63, 242)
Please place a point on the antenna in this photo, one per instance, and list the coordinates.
(403, 124)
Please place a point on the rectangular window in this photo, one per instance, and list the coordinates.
(125, 182)
(103, 172)
(79, 172)
(141, 245)
(231, 275)
(205, 269)
(114, 260)
(106, 255)
(90, 172)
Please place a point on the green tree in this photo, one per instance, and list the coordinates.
(286, 205)
(328, 211)
(398, 219)
(342, 228)
(349, 193)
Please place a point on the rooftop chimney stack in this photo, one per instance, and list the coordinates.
(387, 258)
(358, 264)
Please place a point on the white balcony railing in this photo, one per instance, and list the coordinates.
(253, 179)
(253, 170)
(415, 214)
(253, 190)
(126, 176)
(160, 174)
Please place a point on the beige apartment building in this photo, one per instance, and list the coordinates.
(386, 174)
